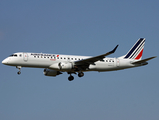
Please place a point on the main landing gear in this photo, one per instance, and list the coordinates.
(19, 68)
(80, 74)
(70, 78)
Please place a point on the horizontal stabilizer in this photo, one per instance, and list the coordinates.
(144, 60)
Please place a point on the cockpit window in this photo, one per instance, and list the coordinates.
(15, 55)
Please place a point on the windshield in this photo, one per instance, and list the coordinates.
(15, 55)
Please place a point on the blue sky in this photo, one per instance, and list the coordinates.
(79, 28)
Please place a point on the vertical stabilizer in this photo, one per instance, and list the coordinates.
(136, 51)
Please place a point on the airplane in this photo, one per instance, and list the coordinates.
(56, 64)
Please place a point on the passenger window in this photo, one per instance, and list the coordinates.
(20, 55)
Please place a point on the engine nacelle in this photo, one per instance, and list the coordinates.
(49, 72)
(65, 66)
(62, 66)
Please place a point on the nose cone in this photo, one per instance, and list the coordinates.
(5, 61)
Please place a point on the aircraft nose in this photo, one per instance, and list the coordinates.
(5, 61)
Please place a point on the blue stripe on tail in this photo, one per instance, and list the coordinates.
(135, 46)
(138, 49)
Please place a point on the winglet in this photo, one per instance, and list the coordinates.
(114, 49)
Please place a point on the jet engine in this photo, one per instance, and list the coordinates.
(62, 66)
(49, 72)
(65, 66)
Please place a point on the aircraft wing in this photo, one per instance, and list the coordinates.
(94, 59)
(144, 60)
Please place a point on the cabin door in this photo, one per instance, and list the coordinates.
(25, 57)
(117, 62)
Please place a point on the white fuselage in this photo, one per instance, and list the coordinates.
(55, 64)
(41, 60)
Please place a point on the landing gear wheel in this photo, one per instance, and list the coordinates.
(18, 72)
(70, 78)
(81, 74)
(19, 68)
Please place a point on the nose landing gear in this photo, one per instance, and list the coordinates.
(18, 72)
(19, 68)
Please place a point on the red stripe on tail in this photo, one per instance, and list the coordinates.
(139, 55)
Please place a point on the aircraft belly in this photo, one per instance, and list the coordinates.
(39, 64)
(102, 67)
(35, 63)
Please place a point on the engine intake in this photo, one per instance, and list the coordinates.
(62, 66)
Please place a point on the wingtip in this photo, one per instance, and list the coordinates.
(114, 49)
(117, 46)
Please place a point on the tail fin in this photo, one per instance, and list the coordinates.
(136, 51)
